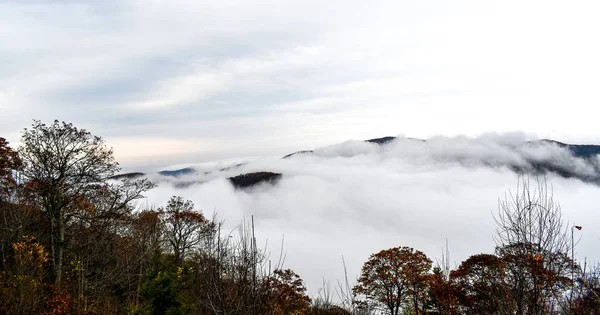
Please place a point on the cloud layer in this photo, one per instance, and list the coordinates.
(356, 198)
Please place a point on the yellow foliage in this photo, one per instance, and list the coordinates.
(30, 257)
(21, 288)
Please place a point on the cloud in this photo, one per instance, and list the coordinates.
(356, 198)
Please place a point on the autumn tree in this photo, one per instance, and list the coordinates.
(536, 285)
(146, 231)
(184, 227)
(395, 279)
(65, 167)
(9, 162)
(286, 293)
(441, 294)
(534, 243)
(480, 285)
(21, 285)
(16, 218)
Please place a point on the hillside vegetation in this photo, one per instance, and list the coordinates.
(72, 243)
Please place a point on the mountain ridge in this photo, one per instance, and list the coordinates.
(585, 152)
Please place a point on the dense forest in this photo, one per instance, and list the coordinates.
(73, 241)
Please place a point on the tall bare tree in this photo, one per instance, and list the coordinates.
(534, 243)
(185, 227)
(65, 167)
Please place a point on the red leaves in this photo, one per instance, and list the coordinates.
(60, 302)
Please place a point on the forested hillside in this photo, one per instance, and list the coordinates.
(74, 241)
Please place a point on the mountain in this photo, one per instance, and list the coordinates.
(177, 173)
(297, 153)
(383, 140)
(584, 151)
(251, 179)
(582, 163)
(126, 176)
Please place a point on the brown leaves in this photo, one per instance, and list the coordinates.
(286, 293)
(9, 162)
(394, 276)
(60, 302)
(478, 283)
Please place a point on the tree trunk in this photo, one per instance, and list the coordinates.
(59, 247)
(139, 286)
(53, 243)
(416, 303)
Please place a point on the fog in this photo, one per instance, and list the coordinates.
(356, 198)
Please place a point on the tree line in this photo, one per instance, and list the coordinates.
(72, 242)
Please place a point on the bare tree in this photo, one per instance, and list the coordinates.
(534, 243)
(587, 300)
(347, 297)
(185, 228)
(65, 167)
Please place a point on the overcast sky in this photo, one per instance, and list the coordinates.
(183, 81)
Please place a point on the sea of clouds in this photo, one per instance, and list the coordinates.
(356, 198)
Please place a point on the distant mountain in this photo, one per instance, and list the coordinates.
(133, 175)
(533, 165)
(177, 173)
(297, 153)
(232, 167)
(584, 151)
(383, 140)
(251, 179)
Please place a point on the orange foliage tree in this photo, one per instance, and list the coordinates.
(480, 283)
(395, 277)
(286, 293)
(441, 294)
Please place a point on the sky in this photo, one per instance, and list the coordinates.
(169, 82)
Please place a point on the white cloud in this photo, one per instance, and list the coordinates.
(357, 198)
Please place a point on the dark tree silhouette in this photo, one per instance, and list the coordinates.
(66, 167)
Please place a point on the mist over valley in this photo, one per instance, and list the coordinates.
(353, 198)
